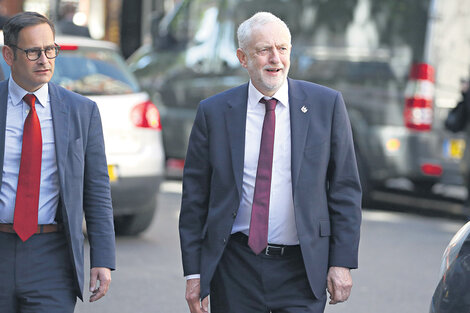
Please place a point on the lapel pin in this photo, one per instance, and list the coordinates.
(304, 109)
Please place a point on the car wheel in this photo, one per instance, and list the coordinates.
(131, 225)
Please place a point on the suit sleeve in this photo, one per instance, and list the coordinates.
(344, 191)
(196, 191)
(97, 197)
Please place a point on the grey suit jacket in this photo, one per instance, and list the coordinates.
(83, 176)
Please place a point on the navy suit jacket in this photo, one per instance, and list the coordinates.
(325, 181)
(83, 176)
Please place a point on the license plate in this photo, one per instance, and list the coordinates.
(454, 148)
(113, 173)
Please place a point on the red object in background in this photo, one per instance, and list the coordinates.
(146, 115)
(419, 94)
(69, 47)
(175, 163)
(431, 169)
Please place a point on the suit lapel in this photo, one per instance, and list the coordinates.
(60, 120)
(300, 111)
(235, 118)
(3, 120)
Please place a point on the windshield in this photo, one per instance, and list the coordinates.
(90, 71)
(364, 48)
(396, 26)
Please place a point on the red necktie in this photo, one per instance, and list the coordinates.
(27, 193)
(258, 238)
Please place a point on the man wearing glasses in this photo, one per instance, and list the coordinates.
(54, 171)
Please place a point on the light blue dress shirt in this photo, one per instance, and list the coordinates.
(17, 111)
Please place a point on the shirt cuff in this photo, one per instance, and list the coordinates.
(193, 276)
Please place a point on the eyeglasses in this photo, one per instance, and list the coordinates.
(34, 54)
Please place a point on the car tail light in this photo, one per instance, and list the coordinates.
(419, 95)
(146, 115)
(68, 47)
(177, 164)
(431, 169)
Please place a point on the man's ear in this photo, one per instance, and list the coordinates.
(242, 57)
(8, 55)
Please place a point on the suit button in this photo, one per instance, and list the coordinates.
(234, 214)
(225, 241)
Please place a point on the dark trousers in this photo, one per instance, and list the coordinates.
(249, 283)
(36, 276)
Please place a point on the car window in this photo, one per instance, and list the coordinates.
(89, 72)
(193, 23)
(94, 72)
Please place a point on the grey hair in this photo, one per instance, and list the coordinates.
(260, 18)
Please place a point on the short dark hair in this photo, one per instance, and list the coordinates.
(16, 23)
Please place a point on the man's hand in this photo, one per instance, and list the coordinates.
(193, 293)
(339, 284)
(103, 275)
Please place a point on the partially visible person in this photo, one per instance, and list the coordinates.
(54, 172)
(458, 120)
(66, 25)
(464, 104)
(271, 206)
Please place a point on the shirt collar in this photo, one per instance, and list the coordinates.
(282, 95)
(17, 93)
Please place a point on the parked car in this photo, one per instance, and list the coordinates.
(131, 125)
(377, 53)
(452, 294)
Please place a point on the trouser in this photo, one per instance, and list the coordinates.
(36, 276)
(249, 283)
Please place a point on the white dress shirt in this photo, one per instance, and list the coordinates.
(17, 111)
(281, 227)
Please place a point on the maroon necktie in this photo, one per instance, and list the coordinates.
(27, 193)
(258, 238)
